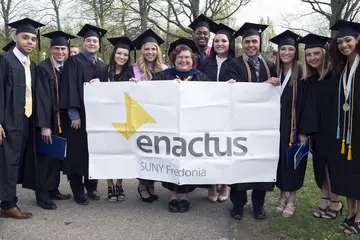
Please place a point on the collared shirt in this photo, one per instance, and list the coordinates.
(19, 55)
(56, 64)
(90, 57)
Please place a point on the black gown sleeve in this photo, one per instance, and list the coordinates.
(129, 73)
(200, 76)
(43, 106)
(163, 75)
(308, 123)
(230, 71)
(3, 74)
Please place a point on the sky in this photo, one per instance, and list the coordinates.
(276, 10)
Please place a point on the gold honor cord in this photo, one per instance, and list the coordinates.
(57, 95)
(293, 114)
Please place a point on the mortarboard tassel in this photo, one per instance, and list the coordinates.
(349, 156)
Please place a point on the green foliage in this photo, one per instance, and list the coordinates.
(267, 47)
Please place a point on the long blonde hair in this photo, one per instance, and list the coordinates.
(140, 63)
(309, 71)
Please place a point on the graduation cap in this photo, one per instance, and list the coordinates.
(59, 38)
(182, 41)
(250, 29)
(122, 42)
(223, 29)
(286, 38)
(91, 31)
(9, 46)
(147, 36)
(345, 28)
(203, 21)
(314, 41)
(28, 25)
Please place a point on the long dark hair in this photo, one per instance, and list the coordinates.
(112, 65)
(231, 52)
(336, 59)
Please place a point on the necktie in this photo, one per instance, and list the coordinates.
(28, 94)
(61, 68)
(93, 61)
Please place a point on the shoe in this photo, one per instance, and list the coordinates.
(153, 196)
(212, 193)
(321, 211)
(15, 212)
(149, 199)
(47, 205)
(111, 194)
(289, 210)
(353, 229)
(81, 199)
(184, 206)
(347, 223)
(237, 214)
(94, 195)
(119, 192)
(174, 205)
(259, 213)
(223, 193)
(332, 214)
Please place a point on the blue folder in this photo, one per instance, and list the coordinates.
(56, 150)
(296, 153)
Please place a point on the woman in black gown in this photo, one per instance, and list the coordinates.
(314, 70)
(293, 125)
(182, 56)
(118, 70)
(344, 114)
(222, 51)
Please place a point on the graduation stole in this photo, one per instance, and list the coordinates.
(185, 76)
(248, 68)
(57, 95)
(348, 107)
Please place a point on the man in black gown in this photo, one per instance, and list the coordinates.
(48, 118)
(79, 69)
(17, 148)
(202, 26)
(251, 67)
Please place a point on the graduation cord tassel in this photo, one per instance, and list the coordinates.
(349, 156)
(293, 115)
(339, 103)
(57, 96)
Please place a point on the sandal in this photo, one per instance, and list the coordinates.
(321, 211)
(282, 204)
(148, 199)
(332, 214)
(289, 210)
(347, 223)
(153, 196)
(353, 229)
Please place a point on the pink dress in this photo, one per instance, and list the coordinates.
(138, 73)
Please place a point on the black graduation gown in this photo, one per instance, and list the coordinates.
(129, 73)
(288, 179)
(165, 75)
(344, 174)
(48, 170)
(12, 116)
(77, 70)
(210, 68)
(236, 69)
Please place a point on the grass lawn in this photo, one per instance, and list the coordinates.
(302, 225)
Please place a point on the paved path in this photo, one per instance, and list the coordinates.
(131, 219)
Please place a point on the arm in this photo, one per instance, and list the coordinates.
(3, 77)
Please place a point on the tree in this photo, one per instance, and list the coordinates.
(267, 47)
(10, 9)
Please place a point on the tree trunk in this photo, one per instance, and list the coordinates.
(167, 35)
(143, 9)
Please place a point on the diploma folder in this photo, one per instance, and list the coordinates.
(296, 153)
(56, 150)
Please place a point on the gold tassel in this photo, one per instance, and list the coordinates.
(343, 147)
(349, 156)
(290, 144)
(60, 130)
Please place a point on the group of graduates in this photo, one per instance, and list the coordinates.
(319, 99)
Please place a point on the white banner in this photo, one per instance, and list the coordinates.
(185, 133)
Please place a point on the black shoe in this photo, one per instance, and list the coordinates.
(153, 196)
(81, 199)
(56, 195)
(94, 195)
(47, 205)
(149, 199)
(259, 213)
(119, 192)
(111, 194)
(237, 214)
(184, 205)
(174, 205)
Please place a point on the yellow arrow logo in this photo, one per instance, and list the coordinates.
(136, 116)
